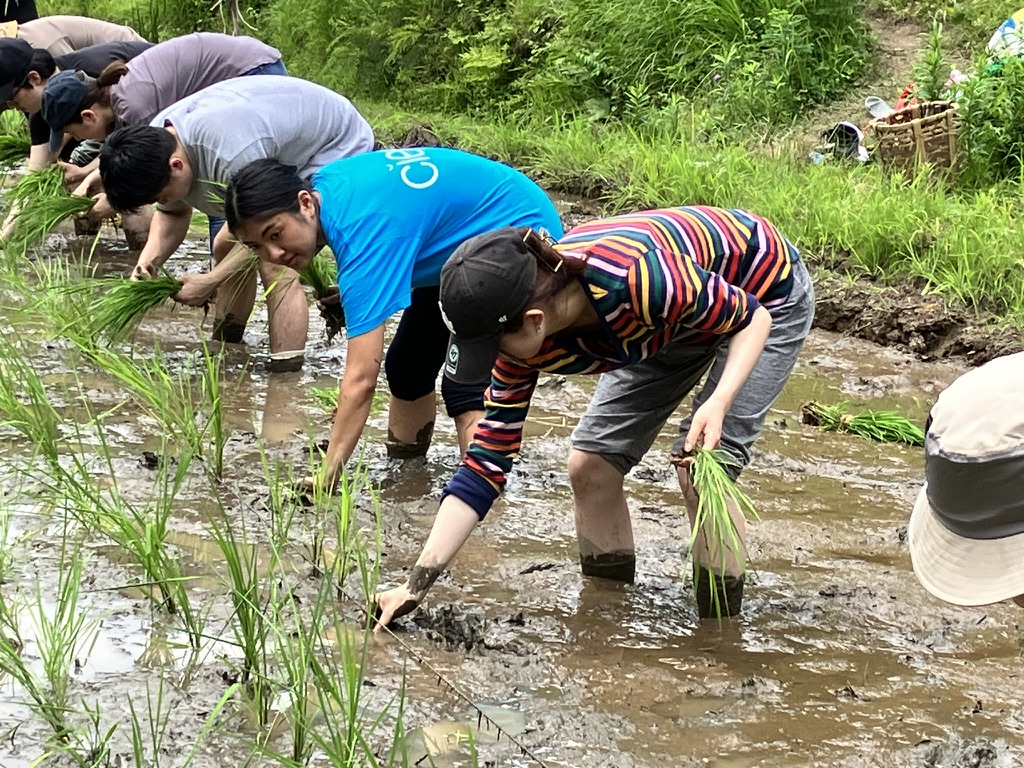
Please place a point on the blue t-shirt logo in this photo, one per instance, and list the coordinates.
(416, 169)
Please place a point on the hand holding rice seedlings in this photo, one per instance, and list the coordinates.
(117, 311)
(39, 202)
(322, 276)
(881, 426)
(717, 499)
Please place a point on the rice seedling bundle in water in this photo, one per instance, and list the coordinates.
(881, 426)
(121, 304)
(41, 203)
(715, 492)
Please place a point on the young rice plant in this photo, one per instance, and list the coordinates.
(880, 426)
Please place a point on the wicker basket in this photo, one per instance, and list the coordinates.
(921, 133)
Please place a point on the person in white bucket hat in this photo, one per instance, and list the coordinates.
(967, 529)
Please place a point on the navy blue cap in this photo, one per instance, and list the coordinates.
(62, 98)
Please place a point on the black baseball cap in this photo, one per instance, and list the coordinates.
(486, 284)
(62, 98)
(15, 58)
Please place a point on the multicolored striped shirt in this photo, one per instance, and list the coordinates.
(680, 274)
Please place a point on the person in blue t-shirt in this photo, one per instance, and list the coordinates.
(392, 219)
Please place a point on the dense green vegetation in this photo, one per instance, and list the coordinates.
(638, 105)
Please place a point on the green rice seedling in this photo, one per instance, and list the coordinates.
(880, 426)
(251, 618)
(39, 202)
(321, 274)
(121, 304)
(717, 499)
(14, 139)
(25, 402)
(149, 730)
(327, 398)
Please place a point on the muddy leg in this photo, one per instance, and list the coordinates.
(718, 568)
(136, 228)
(287, 316)
(603, 528)
(410, 426)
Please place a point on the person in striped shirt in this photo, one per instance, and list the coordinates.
(653, 301)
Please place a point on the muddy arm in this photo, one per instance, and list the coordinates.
(744, 350)
(166, 233)
(454, 523)
(355, 397)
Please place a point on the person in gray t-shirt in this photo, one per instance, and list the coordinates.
(185, 159)
(133, 94)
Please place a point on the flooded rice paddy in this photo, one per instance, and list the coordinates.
(839, 658)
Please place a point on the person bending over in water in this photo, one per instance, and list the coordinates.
(391, 218)
(91, 108)
(185, 159)
(652, 300)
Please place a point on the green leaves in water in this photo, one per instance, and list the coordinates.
(881, 426)
(41, 202)
(717, 498)
(121, 304)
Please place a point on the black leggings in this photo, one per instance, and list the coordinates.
(417, 353)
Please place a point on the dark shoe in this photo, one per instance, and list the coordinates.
(401, 450)
(617, 566)
(717, 596)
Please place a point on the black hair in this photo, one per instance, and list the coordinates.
(43, 63)
(262, 189)
(135, 165)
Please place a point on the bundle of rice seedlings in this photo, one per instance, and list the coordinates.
(322, 276)
(14, 139)
(40, 202)
(881, 426)
(715, 489)
(121, 304)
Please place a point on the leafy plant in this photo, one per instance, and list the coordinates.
(39, 203)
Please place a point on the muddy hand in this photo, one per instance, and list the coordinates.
(706, 427)
(144, 270)
(393, 604)
(101, 207)
(73, 174)
(329, 301)
(195, 291)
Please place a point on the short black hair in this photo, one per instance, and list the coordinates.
(135, 165)
(43, 63)
(262, 189)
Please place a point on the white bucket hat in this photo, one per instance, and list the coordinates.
(967, 529)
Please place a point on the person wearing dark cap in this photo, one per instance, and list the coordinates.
(25, 71)
(653, 301)
(391, 218)
(966, 531)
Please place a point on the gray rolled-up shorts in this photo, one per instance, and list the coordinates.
(632, 404)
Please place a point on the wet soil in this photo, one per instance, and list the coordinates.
(837, 658)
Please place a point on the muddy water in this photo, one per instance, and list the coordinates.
(839, 658)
